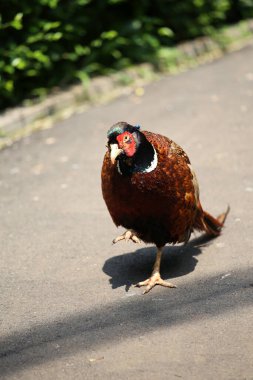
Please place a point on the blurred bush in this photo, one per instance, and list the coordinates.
(49, 43)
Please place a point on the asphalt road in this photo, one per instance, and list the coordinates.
(67, 308)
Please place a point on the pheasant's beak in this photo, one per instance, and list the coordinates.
(115, 151)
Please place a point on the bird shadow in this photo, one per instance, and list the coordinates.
(130, 268)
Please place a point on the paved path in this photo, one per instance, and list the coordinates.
(65, 309)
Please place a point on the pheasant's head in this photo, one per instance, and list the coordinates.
(130, 149)
(123, 139)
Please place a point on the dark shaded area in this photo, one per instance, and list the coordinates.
(219, 127)
(84, 331)
(133, 267)
(159, 311)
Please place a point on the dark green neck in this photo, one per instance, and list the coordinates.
(144, 160)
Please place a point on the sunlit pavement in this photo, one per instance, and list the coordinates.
(68, 310)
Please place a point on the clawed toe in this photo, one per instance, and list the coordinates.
(128, 235)
(154, 280)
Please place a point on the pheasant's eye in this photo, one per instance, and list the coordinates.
(126, 138)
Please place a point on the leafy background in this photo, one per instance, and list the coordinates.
(52, 43)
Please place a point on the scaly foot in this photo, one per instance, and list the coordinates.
(128, 235)
(154, 280)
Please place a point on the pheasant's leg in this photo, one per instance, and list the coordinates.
(155, 278)
(128, 235)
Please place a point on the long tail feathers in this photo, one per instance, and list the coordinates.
(212, 226)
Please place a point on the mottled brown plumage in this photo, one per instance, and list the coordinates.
(159, 206)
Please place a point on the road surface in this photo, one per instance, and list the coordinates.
(68, 310)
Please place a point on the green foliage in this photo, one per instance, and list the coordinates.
(49, 43)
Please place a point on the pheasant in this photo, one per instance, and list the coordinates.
(151, 189)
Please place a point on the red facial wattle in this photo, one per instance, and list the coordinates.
(127, 143)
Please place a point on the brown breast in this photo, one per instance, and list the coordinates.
(159, 206)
